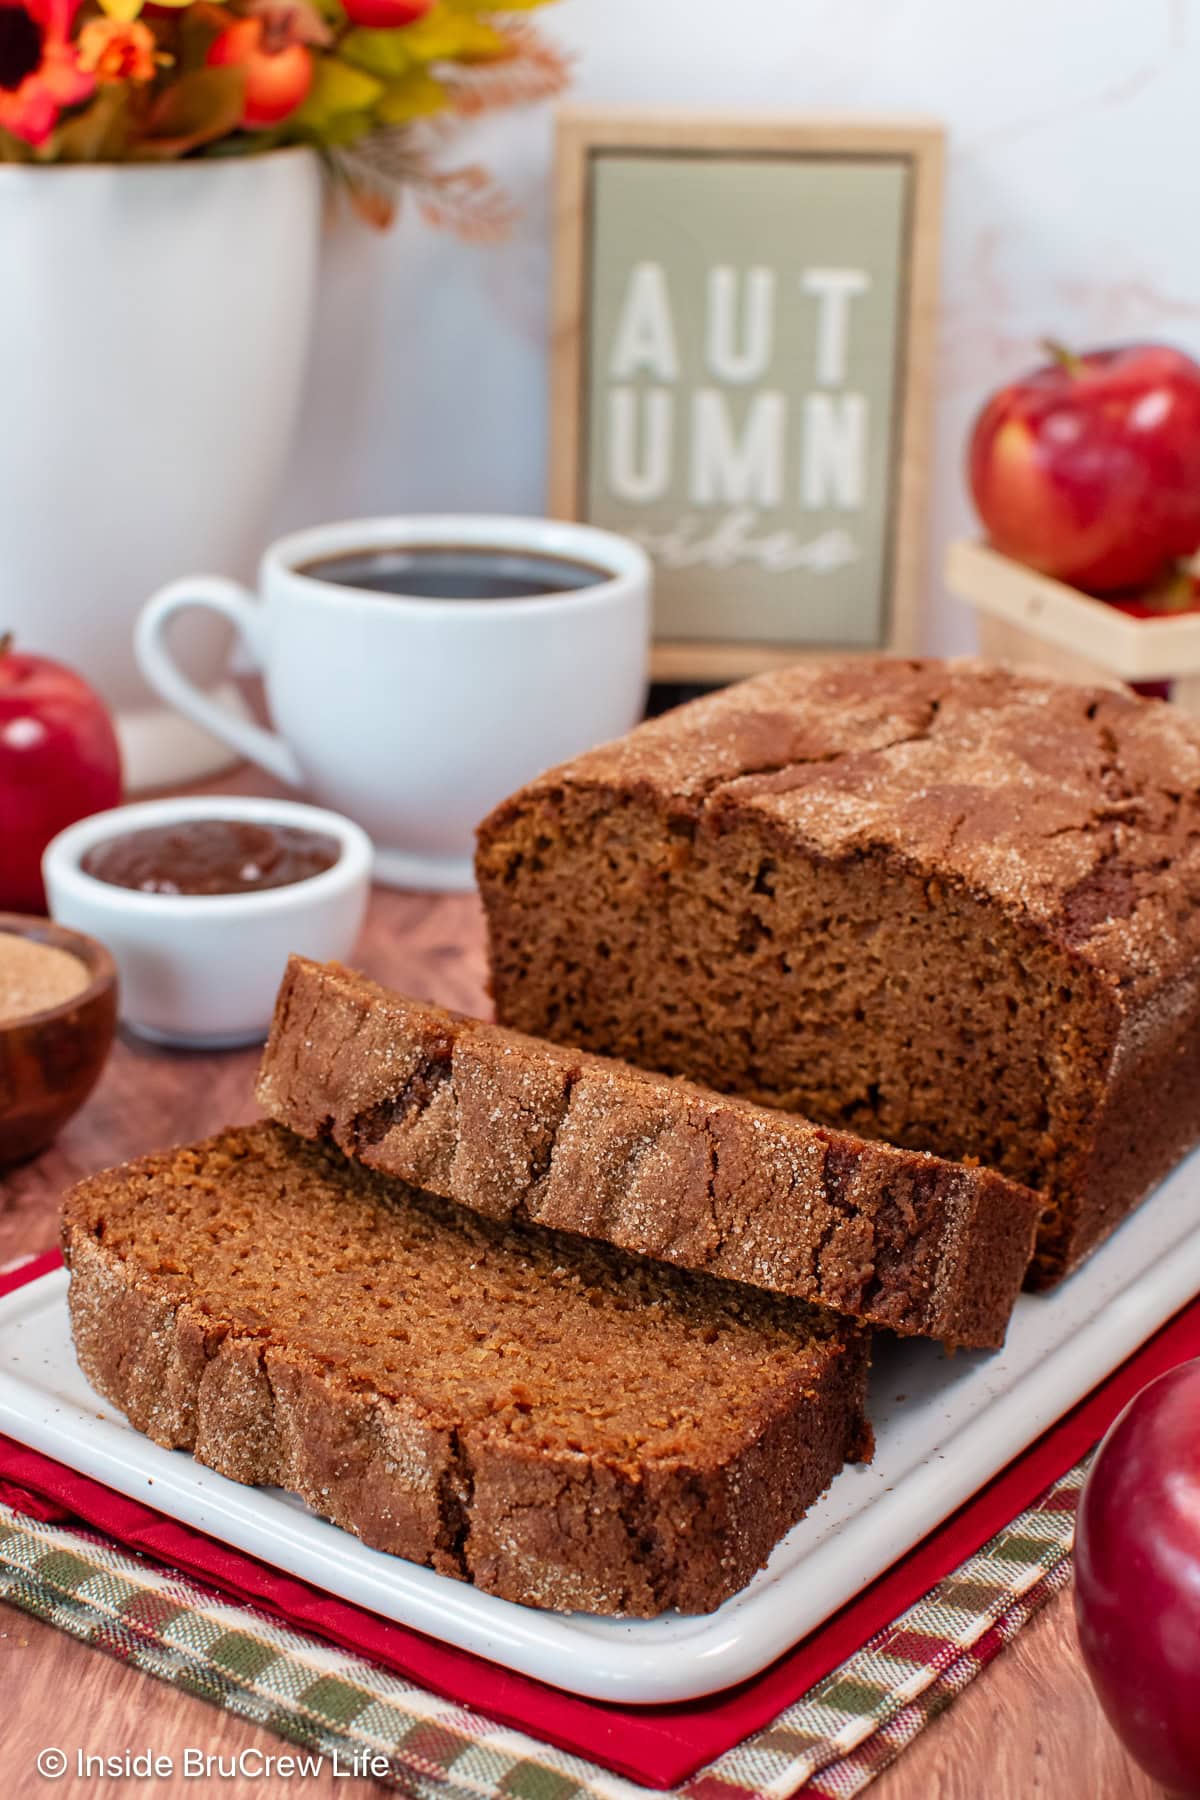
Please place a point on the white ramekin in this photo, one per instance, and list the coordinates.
(201, 970)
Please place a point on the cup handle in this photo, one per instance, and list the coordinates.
(266, 748)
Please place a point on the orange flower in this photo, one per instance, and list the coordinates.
(116, 50)
(39, 68)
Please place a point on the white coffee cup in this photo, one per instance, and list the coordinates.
(415, 716)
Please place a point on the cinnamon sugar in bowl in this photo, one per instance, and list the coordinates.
(58, 1011)
(36, 976)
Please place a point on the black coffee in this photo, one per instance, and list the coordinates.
(455, 572)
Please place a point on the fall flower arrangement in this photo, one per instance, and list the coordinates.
(372, 85)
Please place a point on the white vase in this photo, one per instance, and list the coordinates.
(154, 326)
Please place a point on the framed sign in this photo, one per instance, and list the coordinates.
(743, 327)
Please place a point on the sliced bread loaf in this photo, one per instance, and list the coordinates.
(949, 905)
(554, 1421)
(514, 1126)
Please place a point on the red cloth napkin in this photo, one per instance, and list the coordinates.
(659, 1746)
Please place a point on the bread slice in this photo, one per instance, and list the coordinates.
(554, 1421)
(514, 1126)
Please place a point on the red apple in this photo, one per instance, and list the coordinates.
(385, 15)
(279, 68)
(58, 761)
(1137, 1577)
(1089, 469)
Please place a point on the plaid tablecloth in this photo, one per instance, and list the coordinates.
(831, 1742)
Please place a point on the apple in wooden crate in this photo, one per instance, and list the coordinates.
(1088, 469)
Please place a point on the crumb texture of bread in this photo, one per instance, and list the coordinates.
(559, 1423)
(518, 1127)
(946, 904)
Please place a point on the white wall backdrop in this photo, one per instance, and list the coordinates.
(1072, 209)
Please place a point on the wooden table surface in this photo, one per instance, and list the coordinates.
(1027, 1727)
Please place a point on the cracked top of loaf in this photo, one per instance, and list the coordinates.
(1077, 808)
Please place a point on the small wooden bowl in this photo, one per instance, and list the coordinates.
(51, 1060)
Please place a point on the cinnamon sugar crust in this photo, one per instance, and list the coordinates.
(558, 1423)
(515, 1126)
(947, 904)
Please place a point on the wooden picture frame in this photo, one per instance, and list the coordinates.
(657, 167)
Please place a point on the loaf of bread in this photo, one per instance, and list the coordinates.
(949, 905)
(517, 1127)
(552, 1420)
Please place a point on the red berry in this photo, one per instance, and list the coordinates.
(277, 76)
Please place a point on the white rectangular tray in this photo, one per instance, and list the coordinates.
(943, 1425)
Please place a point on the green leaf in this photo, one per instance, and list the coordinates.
(411, 96)
(381, 52)
(99, 133)
(202, 105)
(444, 36)
(439, 36)
(337, 88)
(336, 131)
(259, 142)
(14, 149)
(195, 31)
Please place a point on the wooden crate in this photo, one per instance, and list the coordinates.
(1029, 618)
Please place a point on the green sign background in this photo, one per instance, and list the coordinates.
(789, 545)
